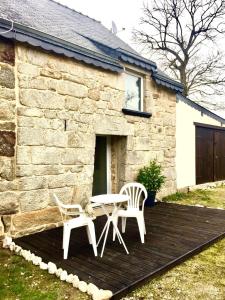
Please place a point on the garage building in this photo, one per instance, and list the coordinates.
(200, 144)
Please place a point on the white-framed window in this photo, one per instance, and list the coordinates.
(133, 91)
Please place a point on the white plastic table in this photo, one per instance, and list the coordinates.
(110, 199)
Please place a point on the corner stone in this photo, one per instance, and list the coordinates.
(7, 78)
(8, 203)
(36, 219)
(1, 229)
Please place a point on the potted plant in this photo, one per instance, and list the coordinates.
(152, 179)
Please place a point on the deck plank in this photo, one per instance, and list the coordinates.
(174, 233)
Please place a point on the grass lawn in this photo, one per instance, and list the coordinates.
(211, 198)
(201, 278)
(20, 280)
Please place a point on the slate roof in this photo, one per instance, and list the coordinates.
(52, 26)
(57, 20)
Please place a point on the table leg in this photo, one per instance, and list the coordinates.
(116, 235)
(102, 233)
(119, 236)
(106, 234)
(115, 218)
(106, 229)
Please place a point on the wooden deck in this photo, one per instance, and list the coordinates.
(174, 233)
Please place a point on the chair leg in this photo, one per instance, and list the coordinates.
(144, 222)
(91, 230)
(63, 240)
(144, 225)
(141, 227)
(124, 220)
(66, 240)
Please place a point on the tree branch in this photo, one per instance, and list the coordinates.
(181, 30)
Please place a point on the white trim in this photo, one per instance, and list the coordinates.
(108, 164)
(142, 93)
(142, 87)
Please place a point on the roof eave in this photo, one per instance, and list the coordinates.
(47, 42)
(168, 82)
(149, 65)
(136, 60)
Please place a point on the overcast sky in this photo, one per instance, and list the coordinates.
(125, 13)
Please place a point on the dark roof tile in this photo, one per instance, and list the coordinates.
(55, 27)
(60, 21)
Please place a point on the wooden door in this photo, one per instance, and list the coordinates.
(219, 155)
(204, 155)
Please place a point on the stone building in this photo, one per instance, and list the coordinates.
(80, 113)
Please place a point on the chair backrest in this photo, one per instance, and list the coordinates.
(67, 210)
(59, 204)
(134, 190)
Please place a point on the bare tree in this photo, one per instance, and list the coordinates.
(185, 33)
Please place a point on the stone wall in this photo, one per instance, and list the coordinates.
(61, 106)
(7, 125)
(7, 110)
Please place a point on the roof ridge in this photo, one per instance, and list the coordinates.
(72, 9)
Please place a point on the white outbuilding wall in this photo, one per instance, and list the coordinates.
(187, 113)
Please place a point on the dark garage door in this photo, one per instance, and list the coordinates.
(210, 154)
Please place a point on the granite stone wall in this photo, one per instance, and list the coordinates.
(7, 126)
(51, 110)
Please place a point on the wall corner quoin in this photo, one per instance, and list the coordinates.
(7, 109)
(2, 231)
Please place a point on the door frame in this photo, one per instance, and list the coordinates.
(108, 164)
(209, 126)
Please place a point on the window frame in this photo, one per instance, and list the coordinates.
(141, 76)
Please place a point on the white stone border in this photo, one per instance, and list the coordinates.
(89, 288)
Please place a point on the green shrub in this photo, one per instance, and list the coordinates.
(151, 176)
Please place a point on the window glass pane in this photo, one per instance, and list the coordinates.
(133, 92)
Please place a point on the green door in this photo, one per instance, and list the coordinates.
(100, 166)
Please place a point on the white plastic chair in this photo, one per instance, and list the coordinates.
(134, 190)
(81, 220)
